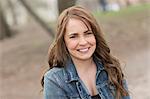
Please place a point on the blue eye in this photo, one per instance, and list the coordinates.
(73, 36)
(89, 33)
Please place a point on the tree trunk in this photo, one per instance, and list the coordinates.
(12, 8)
(4, 27)
(63, 4)
(37, 18)
(128, 2)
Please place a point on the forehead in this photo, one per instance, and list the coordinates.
(76, 25)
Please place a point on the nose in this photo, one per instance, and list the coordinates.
(82, 41)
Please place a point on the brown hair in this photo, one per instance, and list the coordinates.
(58, 53)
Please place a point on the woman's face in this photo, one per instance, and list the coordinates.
(79, 39)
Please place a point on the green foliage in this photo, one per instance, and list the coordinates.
(122, 12)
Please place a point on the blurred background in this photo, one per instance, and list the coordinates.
(27, 28)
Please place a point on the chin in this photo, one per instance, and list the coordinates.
(83, 57)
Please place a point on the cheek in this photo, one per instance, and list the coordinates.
(71, 45)
(92, 40)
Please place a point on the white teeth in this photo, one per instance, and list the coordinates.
(83, 50)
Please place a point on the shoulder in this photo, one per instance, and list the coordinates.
(54, 73)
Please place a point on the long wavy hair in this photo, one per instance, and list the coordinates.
(58, 53)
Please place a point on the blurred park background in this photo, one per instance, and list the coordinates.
(27, 28)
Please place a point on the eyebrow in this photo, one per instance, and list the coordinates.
(87, 31)
(76, 33)
(72, 34)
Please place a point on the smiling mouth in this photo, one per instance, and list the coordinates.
(83, 50)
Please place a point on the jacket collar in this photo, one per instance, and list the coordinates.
(71, 70)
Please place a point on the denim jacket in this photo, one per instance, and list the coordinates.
(64, 83)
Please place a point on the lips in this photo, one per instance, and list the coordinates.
(83, 50)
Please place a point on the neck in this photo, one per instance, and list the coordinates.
(84, 65)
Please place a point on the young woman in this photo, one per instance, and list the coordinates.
(80, 63)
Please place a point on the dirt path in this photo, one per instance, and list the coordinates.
(23, 58)
(138, 66)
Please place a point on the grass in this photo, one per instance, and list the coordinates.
(122, 12)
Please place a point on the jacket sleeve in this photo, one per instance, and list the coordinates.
(126, 87)
(52, 90)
